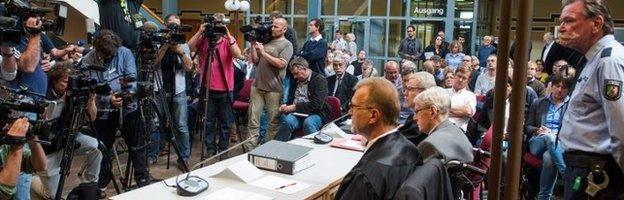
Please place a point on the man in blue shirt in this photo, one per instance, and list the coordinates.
(119, 62)
(315, 49)
(486, 50)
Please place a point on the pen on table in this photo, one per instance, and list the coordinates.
(283, 186)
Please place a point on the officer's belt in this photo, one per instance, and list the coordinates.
(583, 159)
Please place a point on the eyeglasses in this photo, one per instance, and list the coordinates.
(353, 107)
(418, 110)
(491, 60)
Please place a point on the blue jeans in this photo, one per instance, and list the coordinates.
(552, 161)
(219, 107)
(290, 123)
(286, 89)
(23, 187)
(179, 114)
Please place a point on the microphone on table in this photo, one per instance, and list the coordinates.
(322, 138)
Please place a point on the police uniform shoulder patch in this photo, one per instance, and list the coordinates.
(612, 89)
(606, 52)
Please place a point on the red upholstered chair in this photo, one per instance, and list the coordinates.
(241, 105)
(335, 108)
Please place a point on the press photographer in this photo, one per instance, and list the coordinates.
(271, 60)
(214, 41)
(174, 61)
(48, 182)
(14, 158)
(118, 62)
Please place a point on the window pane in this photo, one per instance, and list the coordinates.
(353, 7)
(301, 7)
(397, 8)
(281, 5)
(256, 7)
(428, 8)
(301, 26)
(394, 36)
(426, 30)
(327, 7)
(463, 9)
(328, 33)
(378, 7)
(377, 37)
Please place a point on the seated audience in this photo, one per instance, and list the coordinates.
(415, 84)
(446, 141)
(306, 106)
(341, 84)
(389, 158)
(463, 102)
(542, 126)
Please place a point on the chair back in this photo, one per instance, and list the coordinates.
(335, 106)
(245, 93)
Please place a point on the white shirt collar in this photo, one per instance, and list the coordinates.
(370, 143)
(317, 38)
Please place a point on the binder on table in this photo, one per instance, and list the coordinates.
(281, 157)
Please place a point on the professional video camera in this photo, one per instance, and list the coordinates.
(81, 83)
(214, 29)
(10, 35)
(261, 32)
(22, 10)
(12, 107)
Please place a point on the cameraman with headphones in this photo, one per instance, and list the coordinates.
(221, 79)
(175, 61)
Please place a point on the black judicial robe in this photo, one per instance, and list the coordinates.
(381, 170)
(411, 132)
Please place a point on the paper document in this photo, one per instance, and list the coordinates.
(230, 194)
(282, 185)
(348, 144)
(242, 170)
(333, 130)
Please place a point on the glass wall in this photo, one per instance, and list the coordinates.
(379, 25)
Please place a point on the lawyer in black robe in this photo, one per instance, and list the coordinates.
(381, 170)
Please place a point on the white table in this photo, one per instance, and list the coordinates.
(331, 165)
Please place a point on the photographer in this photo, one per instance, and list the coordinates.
(15, 158)
(271, 60)
(221, 79)
(118, 61)
(49, 179)
(174, 62)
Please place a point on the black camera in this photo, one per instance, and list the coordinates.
(22, 10)
(10, 35)
(13, 107)
(261, 32)
(214, 29)
(175, 33)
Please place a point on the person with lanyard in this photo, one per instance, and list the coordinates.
(591, 132)
(542, 126)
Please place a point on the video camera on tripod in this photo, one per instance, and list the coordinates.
(261, 32)
(12, 107)
(173, 34)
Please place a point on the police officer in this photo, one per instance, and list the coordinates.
(591, 132)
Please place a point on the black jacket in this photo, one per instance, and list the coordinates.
(345, 91)
(536, 117)
(411, 132)
(381, 170)
(317, 92)
(429, 182)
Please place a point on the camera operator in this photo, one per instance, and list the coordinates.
(30, 75)
(271, 60)
(174, 62)
(118, 61)
(15, 158)
(221, 80)
(49, 179)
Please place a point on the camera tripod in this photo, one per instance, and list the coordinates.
(71, 124)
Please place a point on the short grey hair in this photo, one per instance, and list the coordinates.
(298, 62)
(425, 79)
(593, 9)
(438, 97)
(341, 57)
(408, 68)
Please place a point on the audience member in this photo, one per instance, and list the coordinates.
(532, 81)
(410, 47)
(446, 141)
(415, 84)
(357, 64)
(339, 43)
(455, 57)
(368, 70)
(486, 50)
(306, 107)
(341, 84)
(485, 82)
(436, 48)
(315, 49)
(463, 102)
(352, 47)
